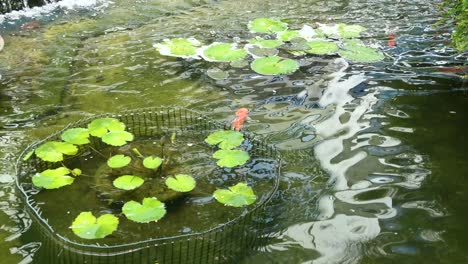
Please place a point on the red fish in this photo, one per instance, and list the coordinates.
(391, 39)
(31, 25)
(241, 116)
(453, 69)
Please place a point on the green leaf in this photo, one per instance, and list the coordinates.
(266, 43)
(128, 182)
(87, 226)
(118, 161)
(76, 172)
(274, 65)
(267, 25)
(217, 74)
(77, 136)
(53, 178)
(287, 35)
(350, 31)
(53, 150)
(117, 138)
(356, 51)
(238, 195)
(225, 139)
(222, 52)
(28, 155)
(230, 158)
(100, 127)
(328, 30)
(181, 183)
(321, 47)
(179, 47)
(150, 210)
(152, 162)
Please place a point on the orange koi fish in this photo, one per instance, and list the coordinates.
(391, 39)
(241, 116)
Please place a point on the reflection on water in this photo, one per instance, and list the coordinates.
(364, 178)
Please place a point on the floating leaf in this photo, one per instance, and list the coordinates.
(87, 226)
(53, 150)
(118, 161)
(308, 33)
(53, 178)
(274, 65)
(258, 52)
(217, 74)
(100, 127)
(266, 43)
(238, 195)
(117, 138)
(128, 182)
(181, 183)
(150, 210)
(222, 52)
(328, 30)
(239, 63)
(225, 139)
(152, 162)
(321, 47)
(350, 31)
(179, 47)
(76, 172)
(28, 155)
(77, 136)
(267, 25)
(356, 51)
(287, 35)
(230, 158)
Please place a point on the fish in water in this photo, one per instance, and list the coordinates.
(31, 25)
(241, 116)
(2, 43)
(391, 39)
(453, 69)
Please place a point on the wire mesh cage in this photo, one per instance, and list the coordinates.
(209, 233)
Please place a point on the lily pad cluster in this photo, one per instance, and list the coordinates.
(276, 38)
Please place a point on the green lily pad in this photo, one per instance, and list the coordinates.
(152, 162)
(308, 33)
(328, 30)
(266, 43)
(53, 151)
(181, 183)
(225, 139)
(100, 127)
(128, 182)
(117, 138)
(77, 136)
(356, 51)
(267, 25)
(76, 172)
(87, 226)
(219, 51)
(179, 47)
(321, 47)
(150, 210)
(350, 31)
(274, 65)
(287, 35)
(118, 161)
(238, 195)
(53, 178)
(231, 158)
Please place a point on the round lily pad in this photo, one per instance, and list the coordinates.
(87, 226)
(267, 25)
(118, 161)
(100, 127)
(152, 162)
(287, 35)
(266, 43)
(181, 183)
(322, 47)
(76, 172)
(117, 138)
(53, 151)
(128, 182)
(53, 178)
(274, 65)
(179, 47)
(356, 51)
(350, 31)
(77, 136)
(219, 51)
(238, 195)
(328, 30)
(150, 210)
(225, 139)
(231, 158)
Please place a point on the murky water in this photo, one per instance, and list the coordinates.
(374, 153)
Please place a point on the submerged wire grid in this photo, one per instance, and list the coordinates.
(224, 243)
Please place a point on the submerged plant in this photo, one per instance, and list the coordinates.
(181, 183)
(128, 182)
(219, 51)
(151, 209)
(230, 158)
(87, 226)
(53, 151)
(225, 139)
(267, 25)
(179, 47)
(274, 65)
(54, 178)
(238, 195)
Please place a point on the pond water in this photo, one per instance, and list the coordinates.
(374, 154)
